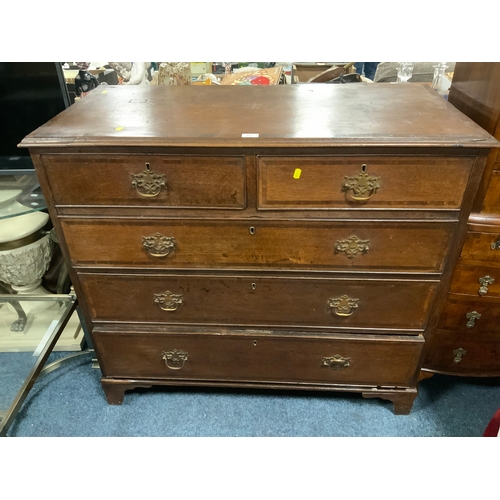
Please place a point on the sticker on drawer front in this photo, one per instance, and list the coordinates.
(296, 174)
(119, 128)
(249, 135)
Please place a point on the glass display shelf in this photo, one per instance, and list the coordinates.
(52, 323)
(20, 193)
(33, 321)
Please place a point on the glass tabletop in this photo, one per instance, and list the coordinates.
(20, 193)
(31, 328)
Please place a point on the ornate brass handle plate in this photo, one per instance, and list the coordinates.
(158, 245)
(352, 246)
(459, 354)
(168, 301)
(148, 184)
(472, 316)
(343, 306)
(496, 244)
(484, 282)
(175, 358)
(362, 186)
(336, 362)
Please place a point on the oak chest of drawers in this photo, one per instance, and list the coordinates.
(296, 237)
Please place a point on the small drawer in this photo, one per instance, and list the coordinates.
(471, 317)
(147, 181)
(478, 281)
(259, 358)
(330, 182)
(482, 245)
(366, 246)
(259, 300)
(464, 354)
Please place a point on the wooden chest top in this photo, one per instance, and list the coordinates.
(285, 115)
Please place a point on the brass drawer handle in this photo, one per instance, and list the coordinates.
(343, 306)
(148, 184)
(459, 354)
(484, 282)
(336, 362)
(472, 316)
(158, 245)
(175, 359)
(352, 246)
(361, 187)
(496, 244)
(168, 301)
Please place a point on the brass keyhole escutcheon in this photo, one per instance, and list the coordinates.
(255, 343)
(254, 286)
(251, 230)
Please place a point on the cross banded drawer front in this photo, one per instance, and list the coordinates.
(258, 300)
(357, 182)
(378, 246)
(259, 358)
(148, 181)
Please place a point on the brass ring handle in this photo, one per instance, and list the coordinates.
(496, 244)
(158, 245)
(484, 282)
(362, 186)
(168, 301)
(336, 362)
(148, 184)
(343, 306)
(175, 359)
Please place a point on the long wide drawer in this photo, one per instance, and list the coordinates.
(328, 182)
(368, 361)
(378, 246)
(260, 301)
(147, 180)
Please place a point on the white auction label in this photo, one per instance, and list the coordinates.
(249, 135)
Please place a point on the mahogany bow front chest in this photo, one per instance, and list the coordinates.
(297, 237)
